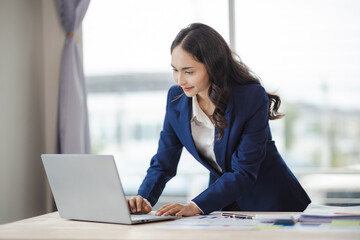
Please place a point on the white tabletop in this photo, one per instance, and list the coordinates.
(51, 226)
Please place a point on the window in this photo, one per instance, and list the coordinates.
(307, 51)
(127, 66)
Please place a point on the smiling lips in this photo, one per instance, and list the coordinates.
(187, 89)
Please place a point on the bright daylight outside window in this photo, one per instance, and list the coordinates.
(307, 51)
(127, 66)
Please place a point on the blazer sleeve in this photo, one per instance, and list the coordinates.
(164, 164)
(246, 159)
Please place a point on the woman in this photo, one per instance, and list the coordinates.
(219, 112)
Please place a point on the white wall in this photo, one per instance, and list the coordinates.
(31, 41)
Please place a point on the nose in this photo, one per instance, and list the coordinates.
(180, 79)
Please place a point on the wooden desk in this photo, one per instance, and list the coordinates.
(51, 226)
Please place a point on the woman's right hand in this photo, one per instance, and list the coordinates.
(138, 204)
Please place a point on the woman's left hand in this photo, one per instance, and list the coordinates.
(178, 210)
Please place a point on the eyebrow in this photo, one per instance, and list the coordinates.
(184, 68)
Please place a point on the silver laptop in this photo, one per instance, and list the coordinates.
(88, 187)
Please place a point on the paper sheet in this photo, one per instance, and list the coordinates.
(217, 222)
(213, 221)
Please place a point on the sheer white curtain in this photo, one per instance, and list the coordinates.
(73, 126)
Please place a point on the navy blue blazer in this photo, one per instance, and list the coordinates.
(254, 174)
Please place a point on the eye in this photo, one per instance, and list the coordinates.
(174, 70)
(187, 72)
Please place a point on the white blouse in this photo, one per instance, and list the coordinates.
(203, 133)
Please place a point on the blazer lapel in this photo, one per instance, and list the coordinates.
(220, 146)
(184, 109)
(184, 118)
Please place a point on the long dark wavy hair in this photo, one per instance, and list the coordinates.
(223, 67)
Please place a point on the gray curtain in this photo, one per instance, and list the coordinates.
(73, 124)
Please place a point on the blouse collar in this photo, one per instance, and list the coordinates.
(198, 114)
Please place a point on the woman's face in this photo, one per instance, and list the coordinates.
(188, 73)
